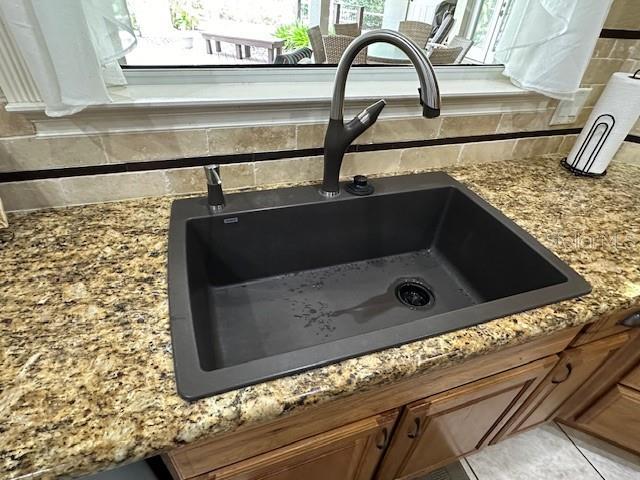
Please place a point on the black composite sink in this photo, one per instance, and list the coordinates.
(286, 280)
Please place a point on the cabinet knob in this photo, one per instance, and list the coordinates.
(632, 320)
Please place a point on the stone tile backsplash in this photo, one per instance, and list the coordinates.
(271, 173)
(137, 147)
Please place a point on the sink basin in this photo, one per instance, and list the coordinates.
(285, 280)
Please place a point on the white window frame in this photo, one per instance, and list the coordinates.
(174, 98)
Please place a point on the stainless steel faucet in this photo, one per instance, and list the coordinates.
(340, 135)
(215, 195)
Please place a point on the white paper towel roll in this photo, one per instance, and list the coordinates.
(610, 122)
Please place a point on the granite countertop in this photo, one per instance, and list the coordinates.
(86, 373)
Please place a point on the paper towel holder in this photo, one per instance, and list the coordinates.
(603, 125)
(587, 152)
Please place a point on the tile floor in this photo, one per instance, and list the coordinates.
(552, 452)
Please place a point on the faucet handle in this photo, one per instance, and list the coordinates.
(212, 172)
(369, 115)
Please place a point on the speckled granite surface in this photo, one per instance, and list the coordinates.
(86, 375)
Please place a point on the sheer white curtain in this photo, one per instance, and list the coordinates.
(546, 45)
(71, 48)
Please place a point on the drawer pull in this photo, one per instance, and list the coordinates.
(566, 377)
(632, 320)
(416, 430)
(385, 437)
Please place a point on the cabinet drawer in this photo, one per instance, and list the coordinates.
(351, 452)
(616, 417)
(604, 327)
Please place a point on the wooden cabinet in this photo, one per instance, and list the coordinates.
(608, 403)
(615, 416)
(351, 452)
(576, 366)
(435, 431)
(432, 419)
(233, 454)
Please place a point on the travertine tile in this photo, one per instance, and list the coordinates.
(192, 179)
(636, 128)
(31, 195)
(463, 126)
(117, 186)
(582, 118)
(629, 153)
(290, 170)
(544, 452)
(310, 135)
(36, 153)
(185, 180)
(238, 175)
(524, 121)
(139, 147)
(405, 129)
(579, 122)
(623, 15)
(601, 69)
(611, 462)
(626, 48)
(370, 163)
(630, 65)
(481, 152)
(421, 158)
(535, 147)
(596, 91)
(603, 48)
(251, 139)
(567, 144)
(13, 124)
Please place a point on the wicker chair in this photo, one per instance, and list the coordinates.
(317, 45)
(458, 41)
(444, 55)
(440, 35)
(293, 58)
(348, 29)
(335, 45)
(419, 32)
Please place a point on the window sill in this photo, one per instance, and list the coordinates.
(203, 98)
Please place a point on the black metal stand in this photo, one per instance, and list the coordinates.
(580, 173)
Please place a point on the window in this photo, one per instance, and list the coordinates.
(174, 33)
(210, 62)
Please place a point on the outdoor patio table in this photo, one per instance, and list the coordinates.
(243, 35)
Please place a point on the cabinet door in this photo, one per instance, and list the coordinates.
(576, 365)
(632, 380)
(616, 417)
(351, 452)
(435, 431)
(613, 371)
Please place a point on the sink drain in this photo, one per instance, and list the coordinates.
(414, 294)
